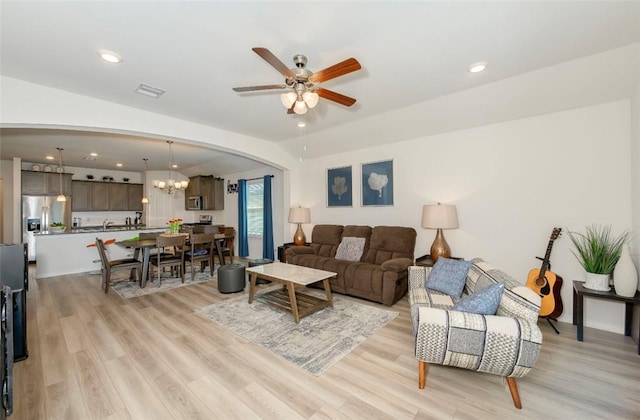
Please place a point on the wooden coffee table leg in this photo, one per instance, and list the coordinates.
(327, 291)
(252, 285)
(294, 303)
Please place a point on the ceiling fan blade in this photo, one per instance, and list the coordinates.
(335, 97)
(263, 87)
(347, 66)
(274, 61)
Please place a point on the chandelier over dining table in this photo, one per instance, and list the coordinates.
(170, 185)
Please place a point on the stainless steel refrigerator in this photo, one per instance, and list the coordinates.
(38, 212)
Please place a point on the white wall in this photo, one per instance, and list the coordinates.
(512, 183)
(6, 174)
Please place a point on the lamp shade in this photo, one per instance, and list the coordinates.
(299, 215)
(439, 216)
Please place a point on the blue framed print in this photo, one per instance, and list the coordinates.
(377, 183)
(339, 187)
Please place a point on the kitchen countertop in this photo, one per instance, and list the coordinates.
(111, 228)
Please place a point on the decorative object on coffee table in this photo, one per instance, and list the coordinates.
(299, 215)
(439, 216)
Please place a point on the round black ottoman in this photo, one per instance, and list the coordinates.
(257, 262)
(231, 278)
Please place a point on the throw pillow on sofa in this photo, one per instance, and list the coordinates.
(350, 248)
(483, 302)
(448, 276)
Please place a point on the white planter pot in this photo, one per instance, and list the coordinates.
(597, 282)
(625, 275)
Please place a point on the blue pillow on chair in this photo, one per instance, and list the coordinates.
(197, 252)
(448, 276)
(484, 301)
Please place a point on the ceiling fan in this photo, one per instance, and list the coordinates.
(304, 84)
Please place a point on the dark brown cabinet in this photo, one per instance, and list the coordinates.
(45, 183)
(210, 188)
(106, 196)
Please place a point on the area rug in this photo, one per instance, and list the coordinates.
(131, 289)
(320, 340)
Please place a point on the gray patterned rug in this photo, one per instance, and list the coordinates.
(131, 289)
(320, 340)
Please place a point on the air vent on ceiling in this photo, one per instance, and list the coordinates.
(154, 92)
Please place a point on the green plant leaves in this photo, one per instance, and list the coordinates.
(598, 250)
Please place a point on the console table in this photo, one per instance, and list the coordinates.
(426, 261)
(580, 292)
(283, 249)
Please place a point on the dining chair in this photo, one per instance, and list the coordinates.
(109, 266)
(169, 260)
(202, 249)
(227, 246)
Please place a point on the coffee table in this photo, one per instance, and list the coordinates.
(292, 277)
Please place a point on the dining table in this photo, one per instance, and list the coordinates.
(146, 245)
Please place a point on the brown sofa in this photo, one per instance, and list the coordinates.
(381, 273)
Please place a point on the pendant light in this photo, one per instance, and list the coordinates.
(60, 197)
(145, 199)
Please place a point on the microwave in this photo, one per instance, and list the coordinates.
(194, 203)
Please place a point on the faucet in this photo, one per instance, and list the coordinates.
(106, 224)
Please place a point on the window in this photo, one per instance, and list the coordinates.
(255, 202)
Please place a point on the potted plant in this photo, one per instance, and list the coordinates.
(89, 176)
(598, 251)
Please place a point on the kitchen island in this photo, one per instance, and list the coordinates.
(67, 252)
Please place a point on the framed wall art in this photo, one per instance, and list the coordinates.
(339, 187)
(377, 183)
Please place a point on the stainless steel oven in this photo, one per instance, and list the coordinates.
(194, 202)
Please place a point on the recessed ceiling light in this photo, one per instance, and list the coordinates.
(154, 92)
(302, 124)
(119, 165)
(94, 154)
(110, 56)
(477, 67)
(49, 157)
(174, 166)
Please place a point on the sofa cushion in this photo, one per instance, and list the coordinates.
(355, 231)
(448, 276)
(484, 301)
(350, 249)
(388, 242)
(325, 239)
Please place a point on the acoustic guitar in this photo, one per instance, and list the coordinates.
(547, 284)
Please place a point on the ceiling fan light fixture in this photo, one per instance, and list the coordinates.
(288, 99)
(300, 108)
(311, 99)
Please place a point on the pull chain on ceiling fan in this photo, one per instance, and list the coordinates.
(305, 91)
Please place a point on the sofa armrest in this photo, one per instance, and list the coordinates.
(396, 264)
(299, 250)
(494, 344)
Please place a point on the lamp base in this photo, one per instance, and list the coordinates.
(440, 247)
(299, 239)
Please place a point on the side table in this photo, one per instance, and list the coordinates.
(426, 261)
(283, 248)
(579, 293)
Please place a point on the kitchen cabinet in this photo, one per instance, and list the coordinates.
(210, 188)
(45, 183)
(106, 196)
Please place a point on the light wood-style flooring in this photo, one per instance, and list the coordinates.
(97, 356)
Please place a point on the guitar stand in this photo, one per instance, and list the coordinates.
(552, 326)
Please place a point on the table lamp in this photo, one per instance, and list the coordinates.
(299, 215)
(439, 216)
